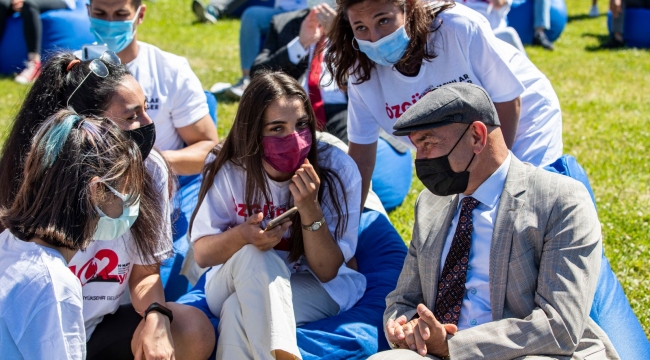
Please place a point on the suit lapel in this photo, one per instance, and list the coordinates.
(509, 208)
(433, 247)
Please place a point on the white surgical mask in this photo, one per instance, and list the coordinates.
(109, 228)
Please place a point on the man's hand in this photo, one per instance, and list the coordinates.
(17, 5)
(155, 341)
(615, 7)
(310, 30)
(395, 332)
(325, 15)
(429, 335)
(255, 235)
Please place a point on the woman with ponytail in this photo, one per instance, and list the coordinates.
(110, 269)
(266, 280)
(82, 178)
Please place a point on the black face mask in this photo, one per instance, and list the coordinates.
(145, 137)
(436, 174)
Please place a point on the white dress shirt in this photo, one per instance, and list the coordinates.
(476, 308)
(330, 92)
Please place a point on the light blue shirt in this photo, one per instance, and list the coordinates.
(476, 308)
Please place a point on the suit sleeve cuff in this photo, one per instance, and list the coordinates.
(296, 51)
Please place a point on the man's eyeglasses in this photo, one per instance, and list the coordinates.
(98, 68)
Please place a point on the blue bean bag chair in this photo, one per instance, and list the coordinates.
(358, 332)
(610, 309)
(249, 3)
(62, 30)
(636, 28)
(520, 17)
(391, 179)
(185, 201)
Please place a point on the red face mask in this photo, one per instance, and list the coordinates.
(287, 153)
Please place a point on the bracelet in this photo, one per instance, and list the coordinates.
(159, 309)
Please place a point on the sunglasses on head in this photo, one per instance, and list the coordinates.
(98, 68)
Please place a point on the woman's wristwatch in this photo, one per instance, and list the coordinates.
(159, 309)
(315, 225)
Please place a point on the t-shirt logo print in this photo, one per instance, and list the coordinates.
(104, 267)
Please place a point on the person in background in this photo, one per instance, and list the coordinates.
(255, 23)
(30, 11)
(542, 22)
(496, 13)
(83, 177)
(593, 11)
(266, 281)
(618, 7)
(103, 87)
(392, 63)
(176, 103)
(505, 256)
(215, 9)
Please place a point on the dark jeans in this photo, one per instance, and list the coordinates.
(226, 7)
(618, 23)
(31, 14)
(111, 339)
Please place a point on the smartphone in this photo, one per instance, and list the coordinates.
(92, 51)
(281, 219)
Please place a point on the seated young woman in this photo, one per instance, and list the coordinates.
(264, 283)
(109, 269)
(83, 177)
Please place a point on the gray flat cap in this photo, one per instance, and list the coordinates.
(452, 103)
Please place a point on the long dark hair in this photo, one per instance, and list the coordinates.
(243, 148)
(70, 153)
(343, 58)
(49, 94)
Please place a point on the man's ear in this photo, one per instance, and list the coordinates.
(143, 10)
(479, 135)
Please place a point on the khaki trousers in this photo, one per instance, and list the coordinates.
(259, 304)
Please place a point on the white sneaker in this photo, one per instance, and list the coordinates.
(593, 12)
(236, 91)
(203, 13)
(220, 87)
(30, 73)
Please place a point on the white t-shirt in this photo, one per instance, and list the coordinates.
(224, 207)
(40, 303)
(496, 17)
(175, 96)
(467, 51)
(105, 266)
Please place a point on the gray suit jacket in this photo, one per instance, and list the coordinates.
(544, 265)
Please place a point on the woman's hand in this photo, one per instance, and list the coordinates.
(304, 188)
(263, 240)
(155, 340)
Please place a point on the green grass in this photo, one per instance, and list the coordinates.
(605, 103)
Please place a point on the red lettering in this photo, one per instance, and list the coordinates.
(242, 210)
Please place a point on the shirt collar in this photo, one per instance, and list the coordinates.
(489, 192)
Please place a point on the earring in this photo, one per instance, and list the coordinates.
(352, 42)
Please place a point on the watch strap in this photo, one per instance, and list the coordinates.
(310, 227)
(159, 309)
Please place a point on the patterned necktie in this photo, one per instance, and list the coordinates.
(451, 287)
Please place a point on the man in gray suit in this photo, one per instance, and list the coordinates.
(505, 256)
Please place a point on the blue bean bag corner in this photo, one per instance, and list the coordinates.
(636, 28)
(62, 30)
(610, 309)
(391, 179)
(249, 3)
(520, 17)
(186, 199)
(358, 332)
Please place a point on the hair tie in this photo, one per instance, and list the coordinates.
(72, 64)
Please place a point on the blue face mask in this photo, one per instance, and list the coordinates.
(109, 228)
(117, 35)
(387, 50)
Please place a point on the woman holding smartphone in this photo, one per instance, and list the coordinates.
(265, 283)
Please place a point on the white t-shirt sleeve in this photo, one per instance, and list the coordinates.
(190, 103)
(363, 128)
(491, 69)
(214, 214)
(55, 331)
(350, 177)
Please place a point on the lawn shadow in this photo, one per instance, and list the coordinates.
(225, 99)
(603, 38)
(581, 17)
